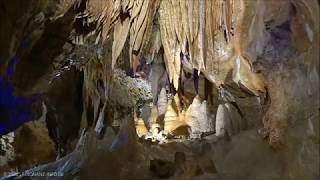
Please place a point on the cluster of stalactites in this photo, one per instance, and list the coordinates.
(186, 29)
(180, 32)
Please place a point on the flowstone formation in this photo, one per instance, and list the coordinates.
(177, 89)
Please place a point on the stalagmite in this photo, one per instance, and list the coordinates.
(223, 122)
(201, 121)
(205, 120)
(162, 102)
(228, 120)
(196, 115)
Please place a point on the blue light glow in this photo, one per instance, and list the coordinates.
(14, 110)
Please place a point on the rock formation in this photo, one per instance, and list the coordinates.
(140, 89)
